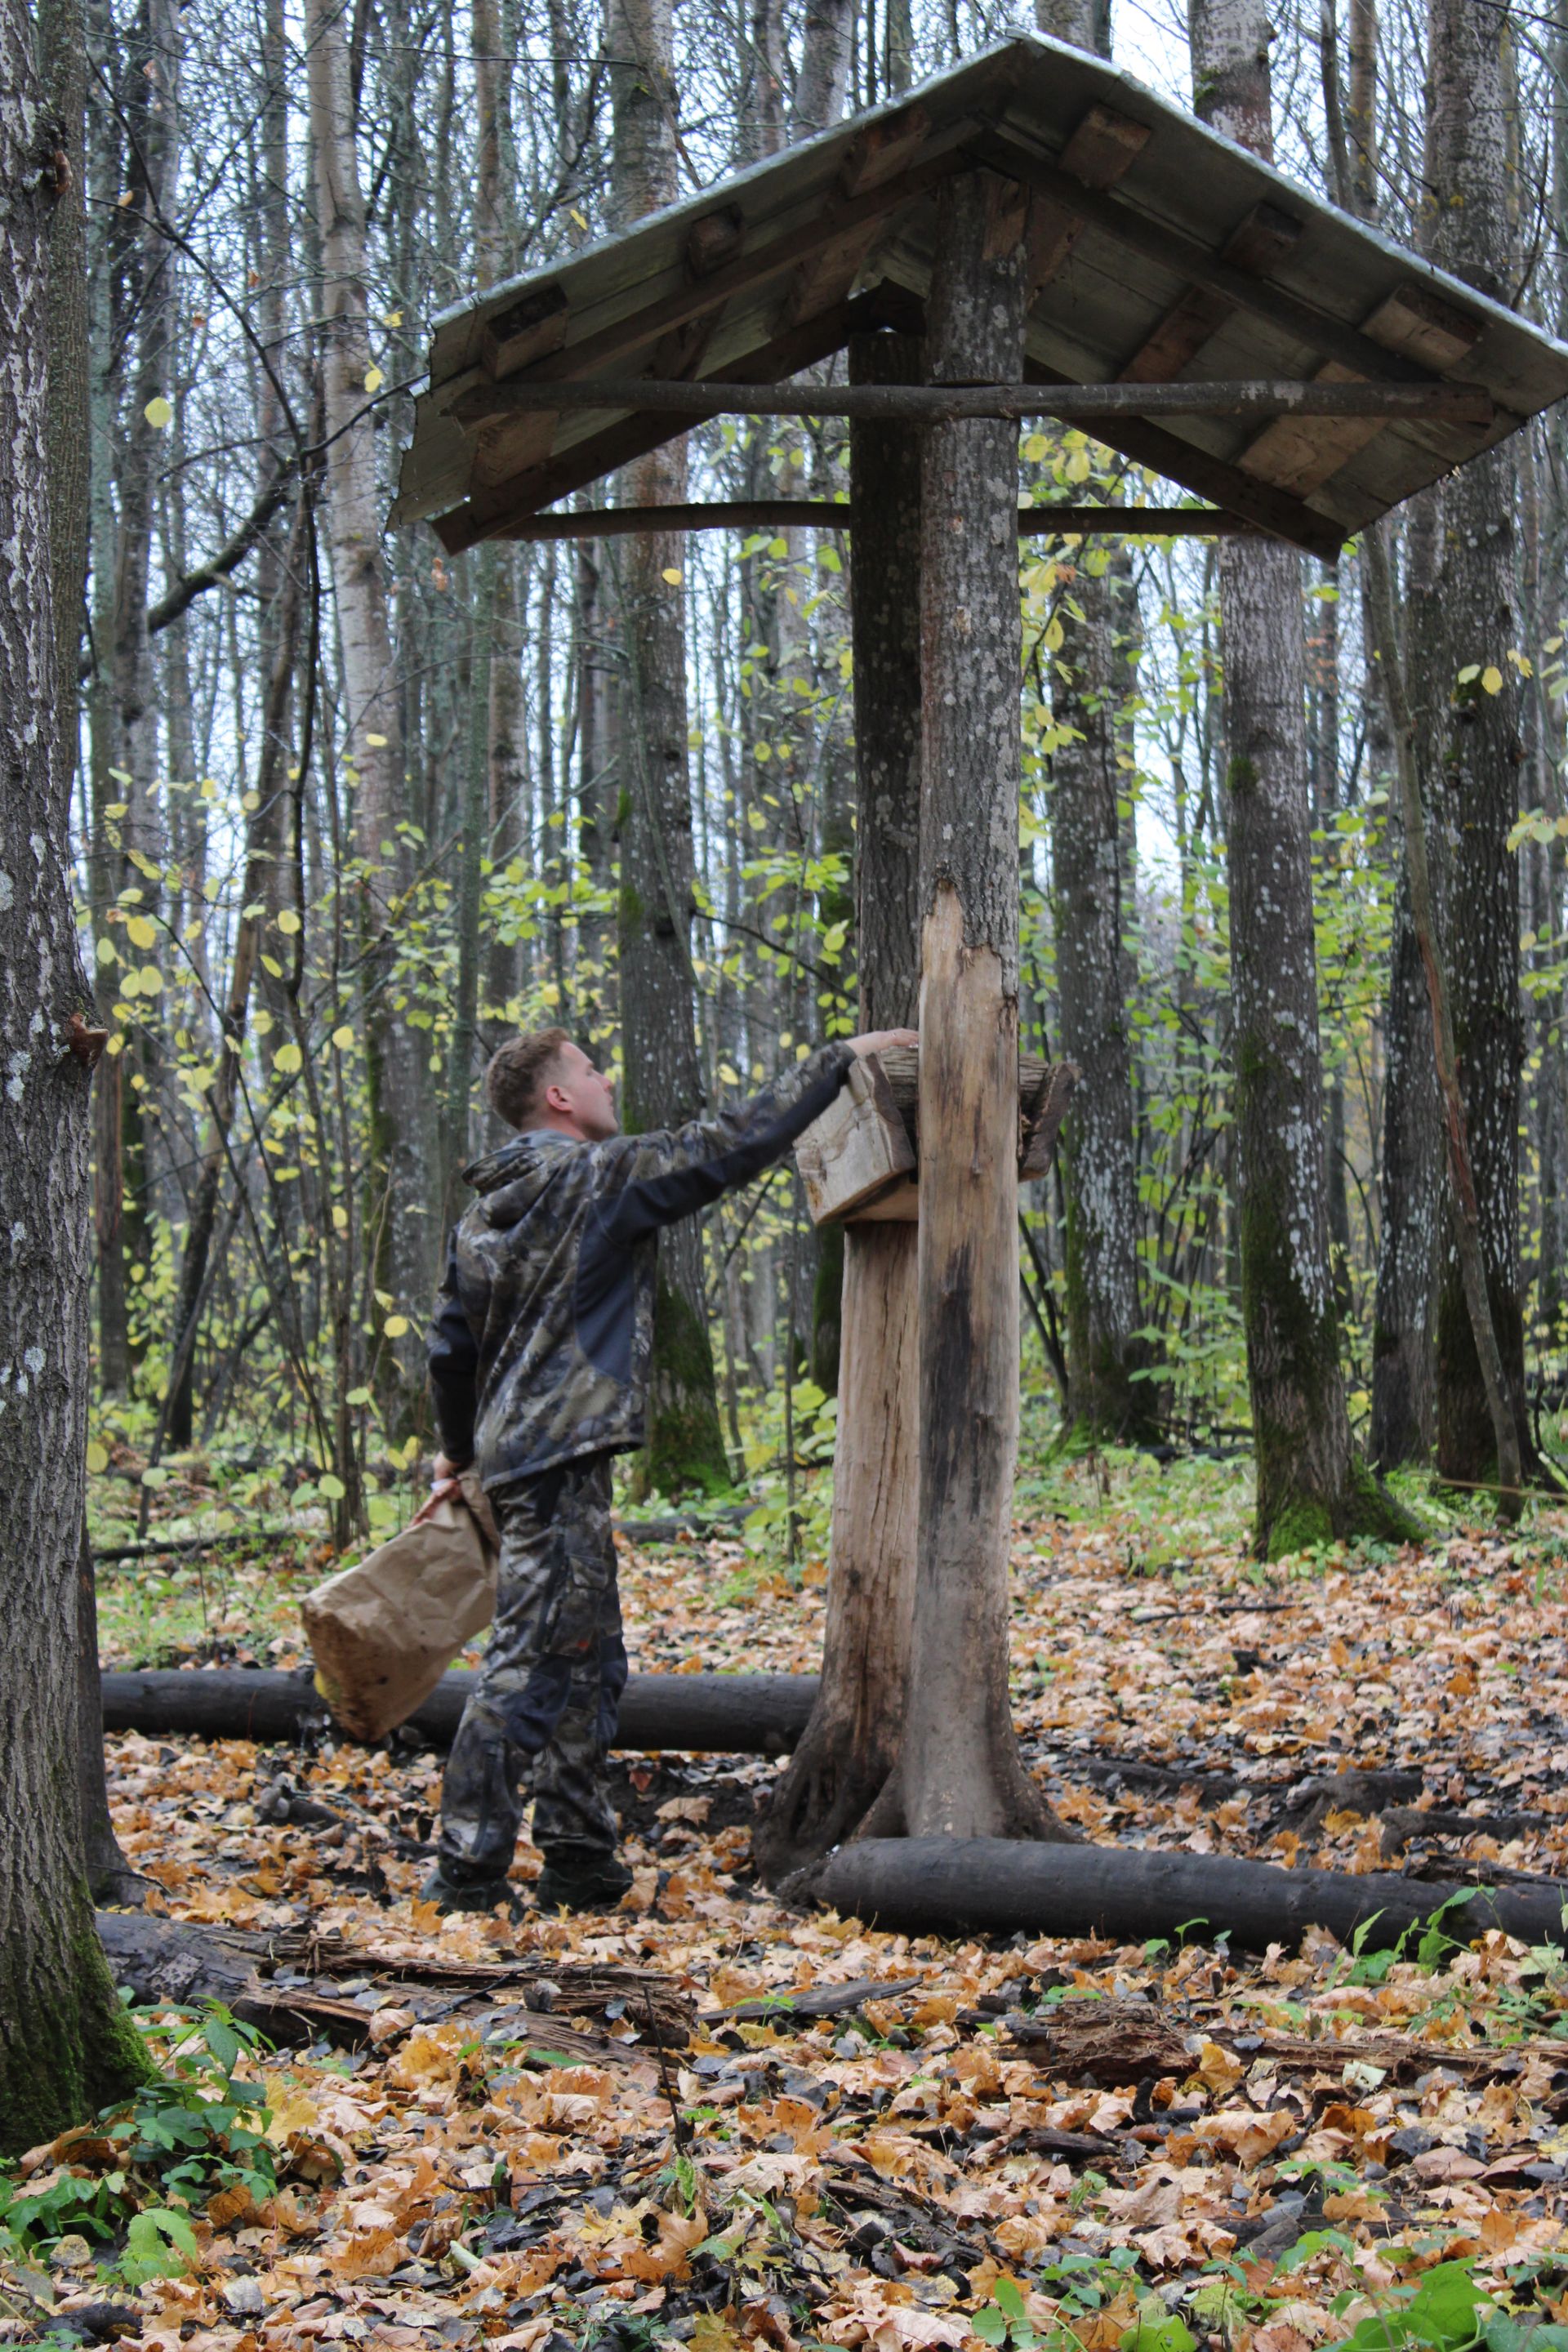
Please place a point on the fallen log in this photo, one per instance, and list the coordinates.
(296, 1987)
(724, 1715)
(1002, 1886)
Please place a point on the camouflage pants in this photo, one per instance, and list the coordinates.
(546, 1698)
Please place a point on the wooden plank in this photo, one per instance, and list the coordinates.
(1098, 151)
(528, 330)
(1412, 320)
(714, 241)
(1194, 263)
(857, 1150)
(1299, 454)
(828, 277)
(1262, 238)
(1104, 146)
(1420, 324)
(883, 149)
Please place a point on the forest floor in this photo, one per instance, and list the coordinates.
(1332, 2148)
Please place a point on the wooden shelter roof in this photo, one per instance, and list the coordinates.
(1158, 250)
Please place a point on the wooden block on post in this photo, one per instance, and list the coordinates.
(858, 1150)
(858, 1160)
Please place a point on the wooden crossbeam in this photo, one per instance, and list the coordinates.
(830, 514)
(1449, 403)
(493, 515)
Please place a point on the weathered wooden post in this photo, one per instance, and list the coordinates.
(961, 1775)
(851, 1743)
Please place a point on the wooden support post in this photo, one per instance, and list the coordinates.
(961, 1774)
(851, 1743)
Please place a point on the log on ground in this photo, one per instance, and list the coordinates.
(1003, 1886)
(724, 1715)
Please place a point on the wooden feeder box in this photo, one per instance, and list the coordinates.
(858, 1161)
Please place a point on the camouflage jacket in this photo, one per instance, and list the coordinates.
(540, 1344)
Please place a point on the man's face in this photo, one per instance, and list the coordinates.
(578, 1093)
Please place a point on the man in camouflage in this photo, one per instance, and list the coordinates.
(539, 1355)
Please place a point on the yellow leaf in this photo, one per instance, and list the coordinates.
(392, 318)
(287, 1059)
(395, 1326)
(159, 413)
(672, 573)
(339, 1219)
(289, 921)
(97, 1457)
(373, 379)
(342, 1038)
(150, 978)
(1491, 679)
(330, 1486)
(377, 742)
(730, 1078)
(139, 932)
(107, 952)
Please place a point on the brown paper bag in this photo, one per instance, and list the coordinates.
(384, 1631)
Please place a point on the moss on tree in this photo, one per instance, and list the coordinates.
(1301, 1503)
(67, 2047)
(685, 1446)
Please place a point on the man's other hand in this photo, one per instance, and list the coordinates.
(876, 1041)
(446, 1486)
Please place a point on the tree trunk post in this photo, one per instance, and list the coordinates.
(851, 1743)
(961, 1773)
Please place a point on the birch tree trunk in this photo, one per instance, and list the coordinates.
(1310, 1488)
(66, 2046)
(1479, 750)
(851, 1743)
(402, 1221)
(663, 1081)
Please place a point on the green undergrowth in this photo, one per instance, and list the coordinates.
(121, 2193)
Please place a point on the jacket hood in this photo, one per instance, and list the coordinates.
(511, 1179)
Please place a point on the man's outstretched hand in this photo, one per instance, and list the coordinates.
(876, 1041)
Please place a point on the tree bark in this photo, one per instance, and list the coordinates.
(1412, 1235)
(403, 1223)
(64, 2044)
(663, 1081)
(1092, 911)
(1461, 1180)
(959, 1772)
(851, 1744)
(1309, 1486)
(1468, 173)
